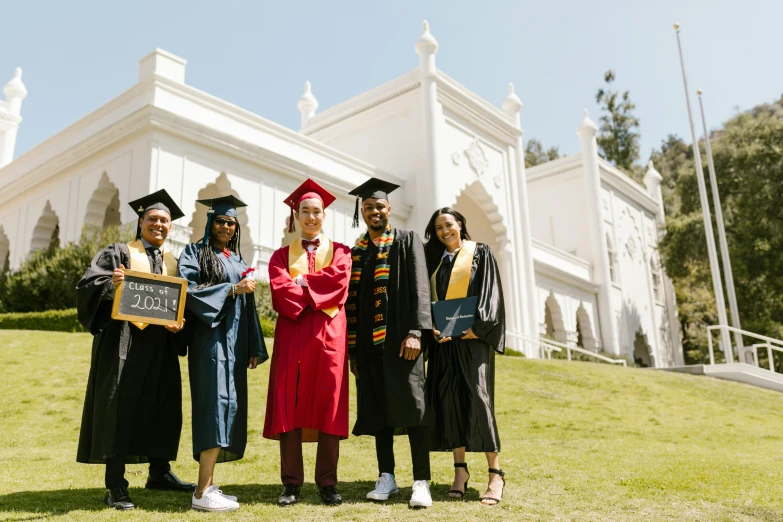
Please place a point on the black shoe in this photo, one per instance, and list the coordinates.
(168, 482)
(290, 496)
(118, 498)
(330, 496)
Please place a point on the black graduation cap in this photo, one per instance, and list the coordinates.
(159, 200)
(373, 188)
(223, 206)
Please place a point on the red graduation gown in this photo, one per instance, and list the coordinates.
(308, 380)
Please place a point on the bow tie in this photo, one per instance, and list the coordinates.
(307, 242)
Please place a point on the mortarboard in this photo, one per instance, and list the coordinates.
(373, 188)
(222, 206)
(159, 200)
(308, 189)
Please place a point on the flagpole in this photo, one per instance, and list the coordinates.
(705, 210)
(724, 248)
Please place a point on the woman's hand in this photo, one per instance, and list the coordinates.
(175, 327)
(252, 363)
(118, 276)
(436, 335)
(246, 286)
(468, 334)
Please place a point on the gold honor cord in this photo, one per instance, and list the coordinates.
(140, 263)
(297, 262)
(460, 274)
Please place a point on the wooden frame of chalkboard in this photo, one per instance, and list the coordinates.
(182, 293)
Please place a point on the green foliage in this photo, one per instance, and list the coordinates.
(47, 279)
(535, 154)
(52, 320)
(618, 141)
(263, 297)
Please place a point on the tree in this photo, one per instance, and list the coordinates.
(618, 142)
(535, 154)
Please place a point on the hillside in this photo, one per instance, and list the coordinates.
(581, 441)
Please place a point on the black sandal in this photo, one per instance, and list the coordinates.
(458, 492)
(500, 473)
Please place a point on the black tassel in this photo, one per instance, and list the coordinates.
(355, 222)
(291, 226)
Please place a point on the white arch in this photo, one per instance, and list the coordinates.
(221, 187)
(585, 328)
(5, 250)
(103, 209)
(44, 229)
(642, 353)
(553, 318)
(474, 199)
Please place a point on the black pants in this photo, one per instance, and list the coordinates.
(115, 471)
(420, 451)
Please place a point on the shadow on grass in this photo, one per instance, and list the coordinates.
(38, 505)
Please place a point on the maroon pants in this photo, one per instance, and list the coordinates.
(292, 467)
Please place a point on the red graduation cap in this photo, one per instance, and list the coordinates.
(307, 190)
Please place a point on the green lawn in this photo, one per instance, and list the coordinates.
(581, 441)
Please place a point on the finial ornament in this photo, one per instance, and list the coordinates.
(307, 104)
(512, 104)
(15, 87)
(587, 124)
(650, 165)
(427, 43)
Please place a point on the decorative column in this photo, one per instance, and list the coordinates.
(522, 235)
(429, 193)
(307, 106)
(10, 118)
(652, 180)
(597, 230)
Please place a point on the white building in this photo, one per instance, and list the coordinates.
(576, 238)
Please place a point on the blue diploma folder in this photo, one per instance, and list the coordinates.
(454, 316)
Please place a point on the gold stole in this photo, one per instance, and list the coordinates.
(141, 263)
(297, 262)
(460, 274)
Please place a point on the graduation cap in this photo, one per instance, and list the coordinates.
(159, 200)
(373, 188)
(307, 190)
(222, 206)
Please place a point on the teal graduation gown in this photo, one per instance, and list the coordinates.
(223, 333)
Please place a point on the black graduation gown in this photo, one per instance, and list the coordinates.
(133, 404)
(461, 373)
(390, 390)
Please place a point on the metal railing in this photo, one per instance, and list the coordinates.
(771, 344)
(547, 346)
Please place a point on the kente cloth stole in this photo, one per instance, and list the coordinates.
(381, 283)
(459, 280)
(139, 262)
(297, 262)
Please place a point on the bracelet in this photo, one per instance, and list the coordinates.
(234, 291)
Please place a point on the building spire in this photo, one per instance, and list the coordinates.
(426, 47)
(512, 104)
(307, 105)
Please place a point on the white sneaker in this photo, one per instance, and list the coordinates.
(212, 500)
(230, 497)
(384, 486)
(421, 494)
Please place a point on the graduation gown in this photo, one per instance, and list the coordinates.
(223, 333)
(390, 389)
(461, 373)
(133, 404)
(308, 380)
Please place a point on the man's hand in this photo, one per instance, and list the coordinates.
(118, 276)
(468, 334)
(436, 335)
(246, 286)
(354, 366)
(174, 327)
(252, 363)
(410, 347)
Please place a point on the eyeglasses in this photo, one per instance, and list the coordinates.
(230, 223)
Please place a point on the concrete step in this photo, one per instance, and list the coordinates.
(740, 372)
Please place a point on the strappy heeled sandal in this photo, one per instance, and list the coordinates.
(496, 501)
(456, 491)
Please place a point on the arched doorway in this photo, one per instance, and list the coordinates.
(103, 209)
(584, 330)
(483, 219)
(553, 318)
(641, 351)
(5, 251)
(221, 187)
(47, 231)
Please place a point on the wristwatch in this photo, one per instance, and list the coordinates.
(415, 333)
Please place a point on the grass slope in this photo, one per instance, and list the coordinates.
(581, 441)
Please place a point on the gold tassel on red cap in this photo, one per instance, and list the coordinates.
(291, 226)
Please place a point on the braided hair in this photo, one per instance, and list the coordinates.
(210, 267)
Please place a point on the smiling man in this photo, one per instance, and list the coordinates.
(388, 307)
(308, 381)
(133, 405)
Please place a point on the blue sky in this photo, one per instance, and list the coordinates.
(78, 55)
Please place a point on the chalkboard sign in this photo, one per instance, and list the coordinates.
(150, 298)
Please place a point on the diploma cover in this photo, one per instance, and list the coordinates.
(454, 316)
